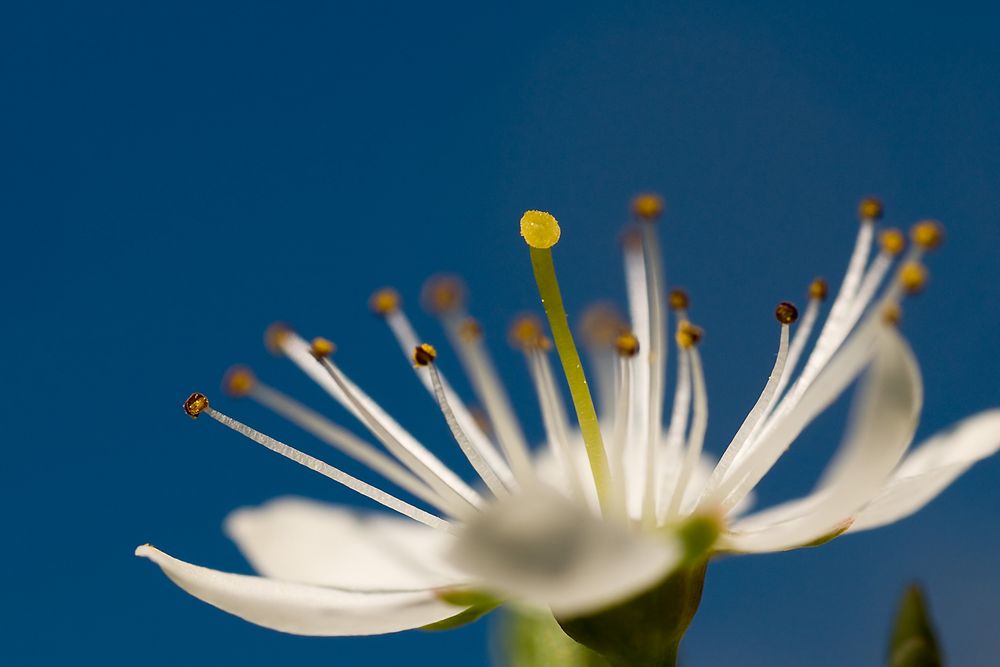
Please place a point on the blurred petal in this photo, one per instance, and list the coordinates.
(301, 609)
(931, 468)
(546, 550)
(294, 539)
(884, 419)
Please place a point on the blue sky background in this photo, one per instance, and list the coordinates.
(175, 176)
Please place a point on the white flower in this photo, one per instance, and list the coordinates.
(597, 515)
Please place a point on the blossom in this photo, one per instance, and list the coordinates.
(607, 509)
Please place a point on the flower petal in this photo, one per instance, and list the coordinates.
(886, 412)
(931, 468)
(301, 609)
(294, 539)
(542, 548)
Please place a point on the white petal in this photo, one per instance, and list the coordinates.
(543, 549)
(294, 539)
(931, 468)
(301, 609)
(885, 417)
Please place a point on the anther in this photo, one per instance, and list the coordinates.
(627, 344)
(928, 234)
(786, 313)
(384, 302)
(321, 348)
(195, 404)
(539, 229)
(238, 381)
(818, 289)
(913, 277)
(600, 325)
(892, 313)
(470, 330)
(892, 241)
(870, 209)
(647, 206)
(442, 294)
(688, 335)
(424, 354)
(678, 299)
(275, 336)
(526, 332)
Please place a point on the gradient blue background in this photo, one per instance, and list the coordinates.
(177, 175)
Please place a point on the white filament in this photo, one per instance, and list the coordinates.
(696, 438)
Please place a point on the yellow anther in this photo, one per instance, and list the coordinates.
(442, 294)
(786, 312)
(600, 325)
(818, 289)
(928, 234)
(275, 337)
(688, 335)
(678, 299)
(470, 330)
(892, 241)
(870, 209)
(321, 348)
(913, 277)
(627, 344)
(539, 229)
(385, 301)
(195, 404)
(424, 354)
(526, 332)
(892, 313)
(647, 206)
(238, 381)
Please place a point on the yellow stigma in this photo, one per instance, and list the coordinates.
(913, 277)
(424, 354)
(928, 234)
(539, 229)
(786, 312)
(870, 209)
(627, 344)
(688, 335)
(600, 325)
(442, 294)
(470, 330)
(275, 336)
(385, 301)
(892, 313)
(678, 299)
(818, 289)
(526, 332)
(238, 381)
(647, 206)
(321, 348)
(892, 241)
(195, 404)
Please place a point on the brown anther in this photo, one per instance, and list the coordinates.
(482, 419)
(913, 277)
(627, 344)
(384, 302)
(688, 335)
(238, 381)
(818, 289)
(631, 238)
(195, 404)
(892, 313)
(928, 234)
(442, 294)
(892, 241)
(526, 332)
(647, 206)
(321, 348)
(786, 312)
(678, 299)
(870, 209)
(424, 354)
(600, 325)
(275, 336)
(470, 330)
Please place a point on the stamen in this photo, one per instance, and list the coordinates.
(327, 470)
(541, 231)
(678, 423)
(913, 277)
(892, 242)
(678, 300)
(892, 313)
(636, 285)
(275, 337)
(696, 439)
(927, 234)
(818, 289)
(627, 344)
(384, 302)
(443, 294)
(239, 381)
(688, 335)
(870, 209)
(647, 206)
(195, 405)
(424, 355)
